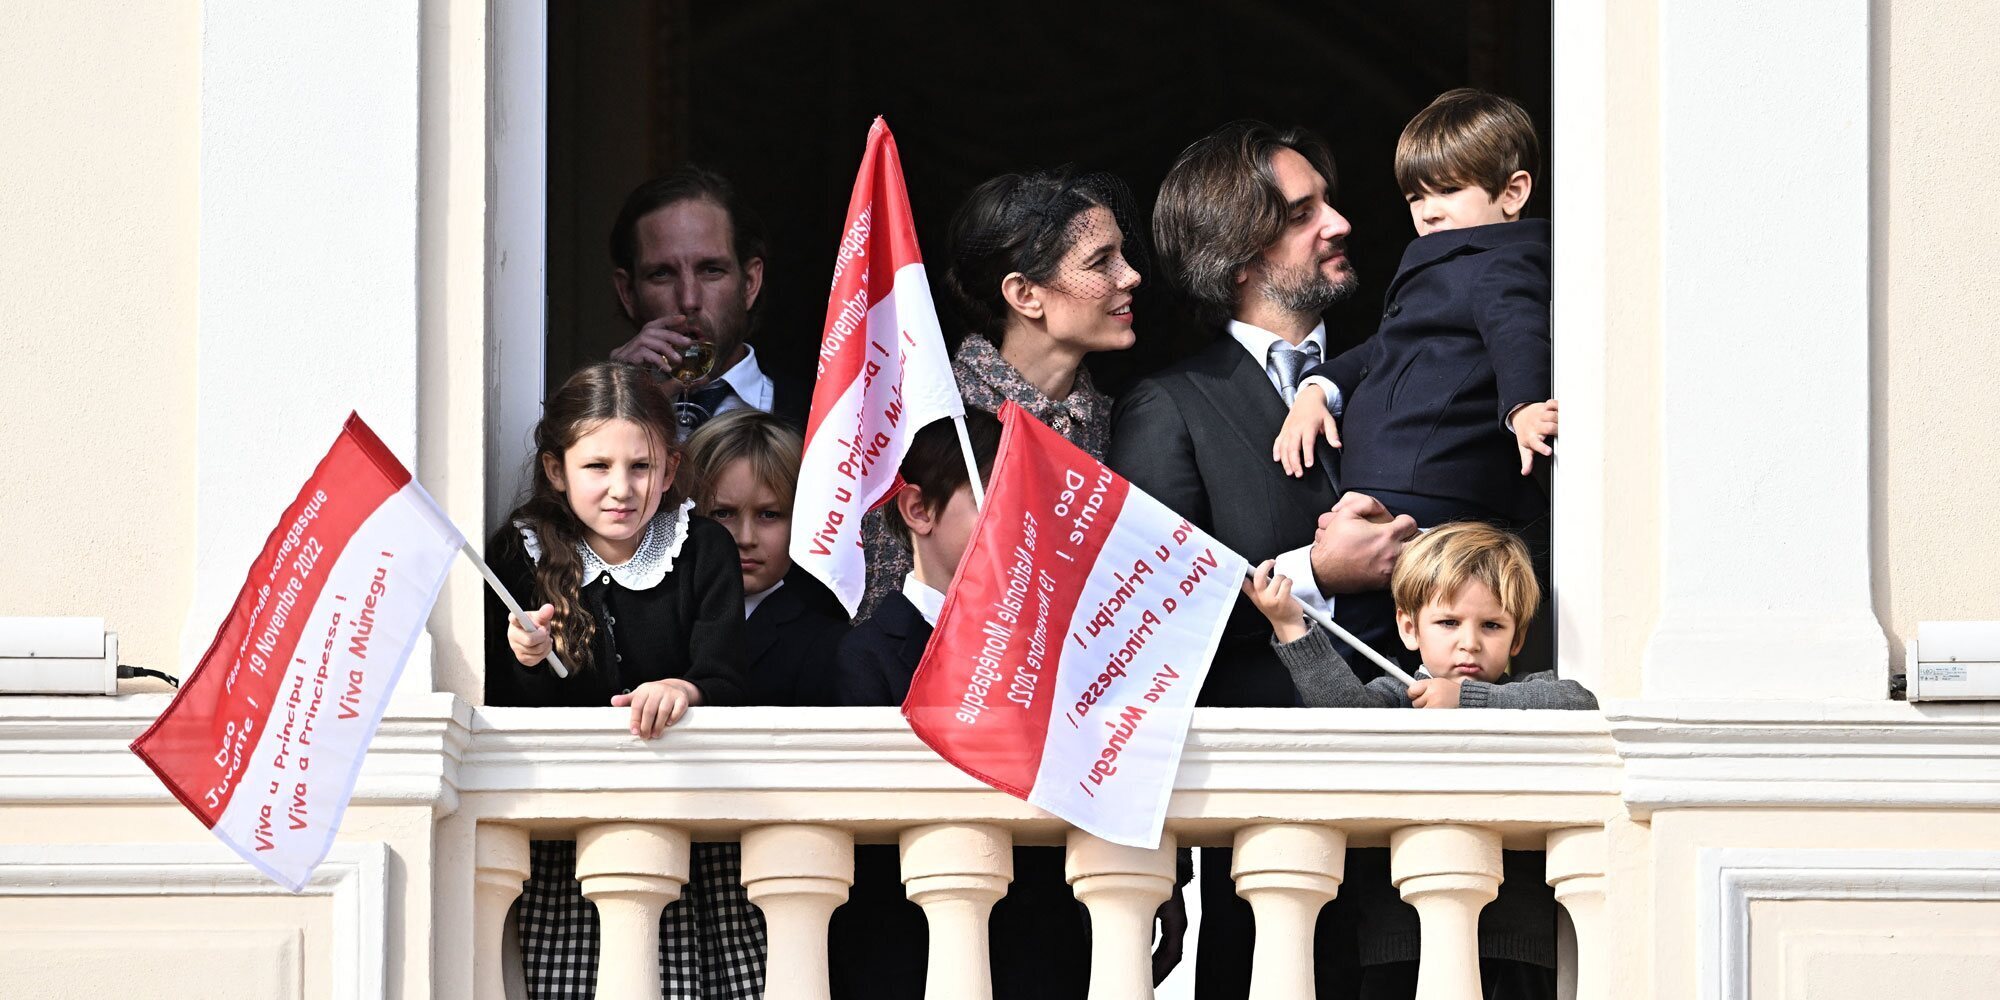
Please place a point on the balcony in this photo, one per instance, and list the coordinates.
(1288, 789)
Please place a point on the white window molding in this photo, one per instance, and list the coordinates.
(1732, 879)
(354, 876)
(1764, 548)
(517, 252)
(1806, 754)
(1579, 70)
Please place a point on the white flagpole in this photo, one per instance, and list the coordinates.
(971, 464)
(513, 606)
(1325, 621)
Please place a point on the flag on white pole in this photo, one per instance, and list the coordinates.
(883, 374)
(1074, 639)
(264, 740)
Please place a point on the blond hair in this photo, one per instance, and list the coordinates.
(1466, 138)
(1438, 565)
(771, 446)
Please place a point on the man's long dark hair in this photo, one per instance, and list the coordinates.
(1220, 207)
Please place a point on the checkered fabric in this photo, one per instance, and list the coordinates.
(711, 939)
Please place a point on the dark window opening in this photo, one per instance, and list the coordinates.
(778, 96)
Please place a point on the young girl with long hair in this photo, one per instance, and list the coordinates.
(642, 600)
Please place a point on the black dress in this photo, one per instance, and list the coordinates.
(686, 621)
(675, 609)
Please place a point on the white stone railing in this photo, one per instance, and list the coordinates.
(405, 906)
(1288, 789)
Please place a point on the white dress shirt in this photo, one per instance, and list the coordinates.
(749, 383)
(1297, 563)
(928, 600)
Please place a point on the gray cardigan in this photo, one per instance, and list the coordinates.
(1325, 681)
(1519, 925)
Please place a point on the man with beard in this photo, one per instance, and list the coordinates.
(688, 263)
(1245, 225)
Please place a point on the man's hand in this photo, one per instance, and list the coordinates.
(1308, 420)
(1173, 920)
(1435, 692)
(1271, 592)
(1533, 425)
(657, 705)
(1357, 543)
(659, 343)
(532, 647)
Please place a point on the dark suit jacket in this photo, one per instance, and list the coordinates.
(791, 399)
(1464, 340)
(792, 637)
(879, 658)
(1197, 437)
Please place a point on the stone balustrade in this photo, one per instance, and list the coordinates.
(1445, 791)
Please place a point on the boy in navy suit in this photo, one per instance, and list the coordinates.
(877, 940)
(932, 515)
(1443, 411)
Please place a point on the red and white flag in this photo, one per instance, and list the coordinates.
(265, 738)
(1074, 639)
(883, 374)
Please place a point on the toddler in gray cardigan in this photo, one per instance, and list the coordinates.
(1464, 594)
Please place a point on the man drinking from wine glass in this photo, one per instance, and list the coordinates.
(688, 263)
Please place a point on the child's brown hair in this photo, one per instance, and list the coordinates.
(604, 391)
(1466, 138)
(935, 465)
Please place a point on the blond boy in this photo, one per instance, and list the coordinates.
(1465, 594)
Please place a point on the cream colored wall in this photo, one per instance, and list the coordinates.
(1887, 928)
(1632, 344)
(216, 947)
(222, 931)
(99, 104)
(1936, 395)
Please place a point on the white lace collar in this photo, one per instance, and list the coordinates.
(665, 534)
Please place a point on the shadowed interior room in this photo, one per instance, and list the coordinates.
(777, 95)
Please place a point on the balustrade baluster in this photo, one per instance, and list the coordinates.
(797, 874)
(1287, 871)
(1123, 887)
(1579, 860)
(956, 871)
(631, 871)
(500, 867)
(1448, 873)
